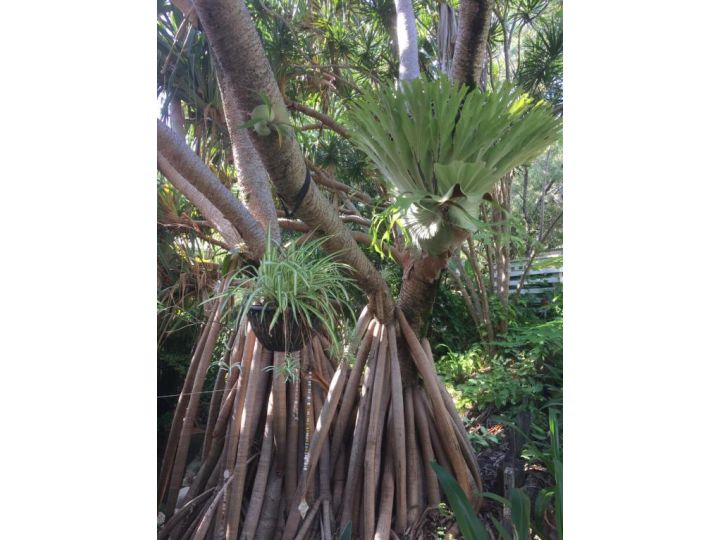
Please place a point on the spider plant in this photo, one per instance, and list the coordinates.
(301, 285)
(442, 146)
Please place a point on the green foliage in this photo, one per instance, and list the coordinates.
(266, 118)
(300, 281)
(537, 200)
(470, 526)
(534, 337)
(382, 226)
(451, 326)
(483, 439)
(557, 469)
(478, 379)
(185, 265)
(519, 505)
(442, 147)
(524, 376)
(288, 370)
(544, 446)
(541, 71)
(186, 73)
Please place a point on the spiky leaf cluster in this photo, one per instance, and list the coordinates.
(442, 146)
(300, 281)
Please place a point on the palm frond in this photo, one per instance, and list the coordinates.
(541, 72)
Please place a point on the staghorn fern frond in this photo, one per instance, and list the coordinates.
(448, 145)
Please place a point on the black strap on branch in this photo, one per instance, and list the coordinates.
(300, 196)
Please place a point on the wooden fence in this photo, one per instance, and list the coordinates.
(544, 278)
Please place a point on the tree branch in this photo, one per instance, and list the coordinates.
(187, 8)
(472, 36)
(463, 278)
(233, 38)
(472, 256)
(542, 196)
(311, 127)
(189, 165)
(317, 115)
(208, 239)
(207, 209)
(463, 292)
(355, 219)
(324, 179)
(252, 177)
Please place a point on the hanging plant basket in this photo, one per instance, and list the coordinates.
(286, 335)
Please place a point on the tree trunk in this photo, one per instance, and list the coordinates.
(447, 35)
(380, 402)
(503, 199)
(407, 41)
(253, 179)
(422, 275)
(472, 36)
(233, 38)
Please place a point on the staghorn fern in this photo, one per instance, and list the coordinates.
(442, 147)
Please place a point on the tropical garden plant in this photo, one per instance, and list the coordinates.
(335, 442)
(442, 146)
(524, 522)
(299, 286)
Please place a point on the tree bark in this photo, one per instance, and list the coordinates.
(473, 28)
(503, 198)
(447, 34)
(407, 41)
(472, 256)
(252, 177)
(207, 209)
(234, 40)
(507, 41)
(177, 120)
(325, 179)
(189, 165)
(419, 287)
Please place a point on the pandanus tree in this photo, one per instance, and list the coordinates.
(345, 441)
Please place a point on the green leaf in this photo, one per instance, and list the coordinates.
(225, 267)
(520, 512)
(470, 526)
(556, 452)
(263, 113)
(262, 129)
(346, 533)
(438, 140)
(501, 530)
(497, 498)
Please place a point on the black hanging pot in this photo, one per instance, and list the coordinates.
(286, 335)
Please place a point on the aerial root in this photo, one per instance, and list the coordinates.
(301, 455)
